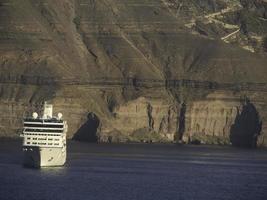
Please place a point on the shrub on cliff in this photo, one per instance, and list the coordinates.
(77, 21)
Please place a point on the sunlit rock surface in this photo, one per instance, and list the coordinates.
(114, 59)
(213, 116)
(152, 115)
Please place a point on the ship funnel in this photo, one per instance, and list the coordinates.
(48, 111)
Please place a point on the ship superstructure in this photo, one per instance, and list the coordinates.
(44, 139)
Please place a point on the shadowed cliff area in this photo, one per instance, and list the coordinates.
(247, 127)
(182, 127)
(88, 131)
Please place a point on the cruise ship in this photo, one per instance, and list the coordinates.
(44, 139)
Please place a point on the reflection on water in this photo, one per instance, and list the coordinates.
(53, 171)
(137, 171)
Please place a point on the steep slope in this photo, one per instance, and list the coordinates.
(239, 22)
(131, 63)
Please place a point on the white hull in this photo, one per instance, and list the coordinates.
(44, 139)
(44, 156)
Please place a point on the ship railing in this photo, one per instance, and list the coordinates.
(40, 120)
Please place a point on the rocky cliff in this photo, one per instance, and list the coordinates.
(143, 70)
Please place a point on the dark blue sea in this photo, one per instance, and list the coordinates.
(137, 171)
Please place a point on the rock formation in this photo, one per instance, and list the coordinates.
(139, 66)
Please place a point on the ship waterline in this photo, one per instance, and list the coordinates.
(43, 156)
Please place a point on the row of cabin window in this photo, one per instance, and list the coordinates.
(43, 130)
(50, 139)
(56, 144)
(44, 125)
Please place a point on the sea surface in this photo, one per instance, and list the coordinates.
(137, 171)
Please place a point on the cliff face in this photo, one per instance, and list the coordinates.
(135, 64)
(156, 117)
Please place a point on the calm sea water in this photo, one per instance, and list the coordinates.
(137, 171)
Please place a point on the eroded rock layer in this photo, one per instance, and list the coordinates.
(133, 66)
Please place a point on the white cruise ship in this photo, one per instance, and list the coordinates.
(44, 139)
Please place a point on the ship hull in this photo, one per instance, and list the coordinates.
(44, 156)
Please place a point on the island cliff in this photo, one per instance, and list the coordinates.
(135, 70)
